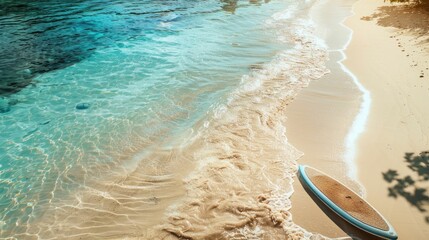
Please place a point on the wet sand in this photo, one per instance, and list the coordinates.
(320, 117)
(389, 55)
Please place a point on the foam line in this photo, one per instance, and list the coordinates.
(361, 118)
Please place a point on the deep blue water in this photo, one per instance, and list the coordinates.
(145, 72)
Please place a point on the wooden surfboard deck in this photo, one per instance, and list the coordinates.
(346, 203)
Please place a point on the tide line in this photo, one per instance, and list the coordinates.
(359, 123)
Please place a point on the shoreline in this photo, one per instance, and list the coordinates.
(389, 119)
(392, 64)
(358, 126)
(326, 118)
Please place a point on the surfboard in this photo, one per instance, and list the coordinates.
(346, 203)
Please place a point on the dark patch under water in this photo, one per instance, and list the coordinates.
(41, 36)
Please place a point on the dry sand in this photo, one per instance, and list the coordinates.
(389, 54)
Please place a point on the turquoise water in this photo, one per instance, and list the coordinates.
(146, 72)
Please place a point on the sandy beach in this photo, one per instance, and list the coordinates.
(319, 119)
(393, 65)
(388, 54)
(188, 119)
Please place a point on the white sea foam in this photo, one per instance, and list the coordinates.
(359, 123)
(246, 165)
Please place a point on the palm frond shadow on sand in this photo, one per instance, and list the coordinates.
(406, 17)
(414, 189)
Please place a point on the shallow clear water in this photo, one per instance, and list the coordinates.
(149, 73)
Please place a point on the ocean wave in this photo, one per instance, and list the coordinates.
(242, 184)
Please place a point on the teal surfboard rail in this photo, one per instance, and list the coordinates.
(389, 234)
